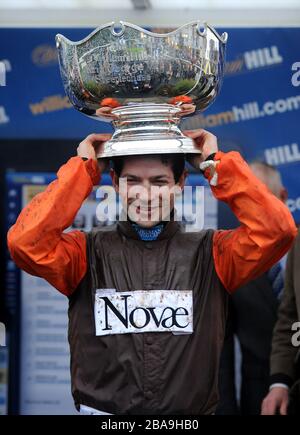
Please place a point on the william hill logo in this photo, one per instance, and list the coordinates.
(282, 154)
(254, 59)
(143, 311)
(50, 104)
(44, 55)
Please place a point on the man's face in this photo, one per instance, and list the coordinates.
(270, 181)
(147, 189)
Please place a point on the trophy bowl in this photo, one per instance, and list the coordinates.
(144, 83)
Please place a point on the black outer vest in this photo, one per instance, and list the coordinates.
(154, 372)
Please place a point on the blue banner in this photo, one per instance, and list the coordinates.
(256, 113)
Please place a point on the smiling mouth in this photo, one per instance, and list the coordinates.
(148, 210)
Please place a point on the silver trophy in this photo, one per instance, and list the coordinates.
(143, 82)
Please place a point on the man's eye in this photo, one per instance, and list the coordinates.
(160, 182)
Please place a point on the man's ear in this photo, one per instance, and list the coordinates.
(114, 179)
(283, 195)
(181, 181)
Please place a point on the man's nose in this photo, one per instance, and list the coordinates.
(149, 193)
(145, 193)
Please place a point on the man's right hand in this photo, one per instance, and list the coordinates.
(276, 400)
(91, 146)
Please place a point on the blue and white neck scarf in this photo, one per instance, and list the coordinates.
(148, 234)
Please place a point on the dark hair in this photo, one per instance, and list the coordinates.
(176, 161)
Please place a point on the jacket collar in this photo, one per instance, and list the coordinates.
(126, 228)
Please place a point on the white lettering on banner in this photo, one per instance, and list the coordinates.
(2, 74)
(263, 57)
(7, 64)
(282, 154)
(246, 112)
(3, 116)
(5, 67)
(293, 204)
(143, 311)
(2, 334)
(296, 76)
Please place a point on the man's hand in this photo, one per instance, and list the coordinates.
(205, 141)
(91, 146)
(276, 400)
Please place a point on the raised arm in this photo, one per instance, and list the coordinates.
(37, 242)
(267, 228)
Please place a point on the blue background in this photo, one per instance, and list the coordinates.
(35, 76)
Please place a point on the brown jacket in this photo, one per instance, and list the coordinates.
(284, 354)
(149, 372)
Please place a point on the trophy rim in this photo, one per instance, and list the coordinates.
(222, 38)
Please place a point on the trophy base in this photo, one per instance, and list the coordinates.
(163, 145)
(147, 129)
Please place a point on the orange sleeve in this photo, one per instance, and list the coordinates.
(267, 227)
(36, 241)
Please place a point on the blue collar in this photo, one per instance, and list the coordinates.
(148, 234)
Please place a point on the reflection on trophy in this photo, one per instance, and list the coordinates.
(143, 82)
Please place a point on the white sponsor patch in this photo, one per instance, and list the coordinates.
(143, 311)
